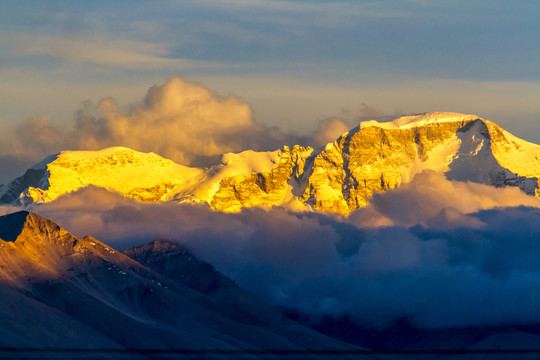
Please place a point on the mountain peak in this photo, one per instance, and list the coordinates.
(13, 225)
(410, 121)
(138, 175)
(88, 155)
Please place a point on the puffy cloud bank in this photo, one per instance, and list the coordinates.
(181, 120)
(469, 256)
(432, 199)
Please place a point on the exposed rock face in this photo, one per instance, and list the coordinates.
(369, 159)
(263, 188)
(372, 157)
(376, 157)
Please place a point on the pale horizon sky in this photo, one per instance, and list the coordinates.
(294, 62)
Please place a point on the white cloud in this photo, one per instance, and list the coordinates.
(329, 130)
(432, 199)
(180, 120)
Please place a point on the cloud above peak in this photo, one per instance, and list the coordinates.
(329, 130)
(180, 120)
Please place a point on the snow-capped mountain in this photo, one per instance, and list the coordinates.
(340, 177)
(59, 291)
(380, 156)
(146, 177)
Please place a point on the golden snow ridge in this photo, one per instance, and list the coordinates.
(342, 176)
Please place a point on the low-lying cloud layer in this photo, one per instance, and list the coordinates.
(433, 200)
(467, 256)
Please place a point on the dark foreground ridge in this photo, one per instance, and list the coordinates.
(65, 297)
(12, 224)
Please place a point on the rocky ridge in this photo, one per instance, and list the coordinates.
(62, 292)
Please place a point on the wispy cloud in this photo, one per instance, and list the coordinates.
(125, 54)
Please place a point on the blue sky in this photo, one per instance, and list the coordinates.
(294, 62)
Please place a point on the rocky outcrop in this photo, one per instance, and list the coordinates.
(374, 158)
(263, 188)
